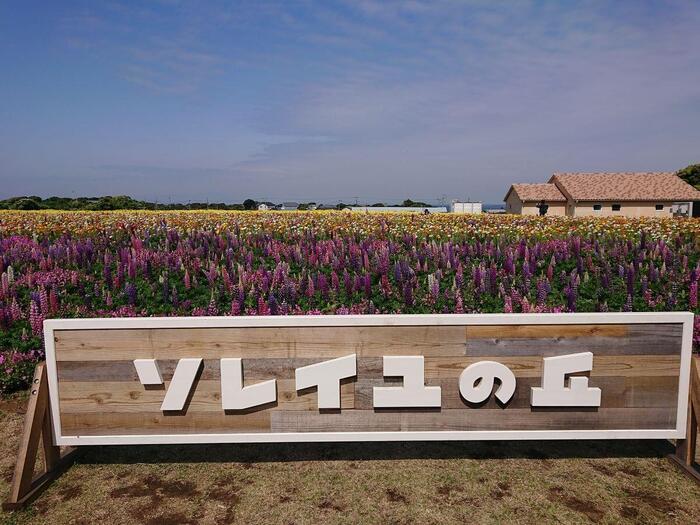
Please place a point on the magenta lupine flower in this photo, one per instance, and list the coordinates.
(508, 305)
(263, 309)
(36, 319)
(525, 305)
(322, 283)
(310, 290)
(693, 295)
(459, 277)
(43, 301)
(188, 283)
(235, 307)
(15, 310)
(53, 301)
(459, 305)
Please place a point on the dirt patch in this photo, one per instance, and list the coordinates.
(229, 494)
(629, 512)
(602, 469)
(13, 405)
(156, 488)
(631, 471)
(445, 490)
(173, 518)
(587, 508)
(70, 492)
(395, 496)
(501, 491)
(329, 504)
(653, 500)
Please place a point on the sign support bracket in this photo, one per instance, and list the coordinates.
(686, 449)
(37, 427)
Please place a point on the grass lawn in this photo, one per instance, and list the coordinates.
(505, 482)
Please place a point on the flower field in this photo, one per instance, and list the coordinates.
(88, 264)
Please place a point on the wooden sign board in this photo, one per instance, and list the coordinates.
(369, 378)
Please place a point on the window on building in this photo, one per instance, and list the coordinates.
(659, 207)
(616, 207)
(597, 207)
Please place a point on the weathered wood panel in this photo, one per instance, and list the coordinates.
(109, 345)
(101, 423)
(617, 392)
(368, 367)
(121, 396)
(98, 423)
(549, 340)
(372, 341)
(636, 366)
(474, 420)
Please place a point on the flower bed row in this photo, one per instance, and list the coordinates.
(90, 264)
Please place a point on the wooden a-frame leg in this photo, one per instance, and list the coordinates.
(686, 449)
(37, 426)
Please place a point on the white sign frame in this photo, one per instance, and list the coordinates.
(684, 318)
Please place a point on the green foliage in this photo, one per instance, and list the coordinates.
(26, 204)
(691, 175)
(109, 202)
(408, 203)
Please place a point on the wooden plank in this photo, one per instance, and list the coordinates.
(121, 396)
(545, 331)
(90, 424)
(367, 367)
(29, 442)
(617, 392)
(37, 426)
(257, 368)
(120, 344)
(550, 340)
(531, 366)
(141, 423)
(473, 420)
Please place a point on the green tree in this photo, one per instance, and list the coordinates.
(249, 204)
(691, 175)
(26, 204)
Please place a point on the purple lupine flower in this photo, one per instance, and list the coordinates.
(408, 294)
(272, 305)
(130, 290)
(542, 292)
(628, 304)
(570, 292)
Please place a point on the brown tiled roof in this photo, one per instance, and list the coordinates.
(536, 192)
(645, 186)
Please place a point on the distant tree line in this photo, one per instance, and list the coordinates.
(124, 202)
(107, 202)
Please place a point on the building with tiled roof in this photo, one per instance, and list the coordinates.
(524, 199)
(648, 194)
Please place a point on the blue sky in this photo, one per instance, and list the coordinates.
(328, 101)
